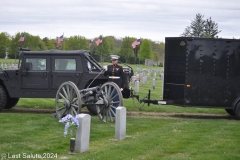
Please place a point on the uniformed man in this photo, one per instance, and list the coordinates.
(115, 72)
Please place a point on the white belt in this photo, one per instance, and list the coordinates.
(114, 77)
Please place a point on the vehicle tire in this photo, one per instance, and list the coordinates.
(237, 111)
(11, 102)
(92, 109)
(230, 112)
(3, 98)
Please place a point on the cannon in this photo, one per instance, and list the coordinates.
(106, 97)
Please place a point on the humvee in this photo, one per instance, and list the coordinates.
(40, 73)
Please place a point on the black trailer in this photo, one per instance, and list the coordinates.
(203, 72)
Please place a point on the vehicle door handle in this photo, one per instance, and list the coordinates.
(44, 74)
(77, 74)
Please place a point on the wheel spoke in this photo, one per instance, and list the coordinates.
(74, 105)
(60, 101)
(62, 96)
(109, 112)
(112, 93)
(113, 112)
(74, 101)
(111, 106)
(115, 102)
(103, 114)
(65, 93)
(68, 93)
(106, 115)
(100, 110)
(74, 111)
(113, 97)
(109, 90)
(61, 108)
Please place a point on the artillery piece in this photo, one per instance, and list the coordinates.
(69, 100)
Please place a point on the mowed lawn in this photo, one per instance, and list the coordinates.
(195, 137)
(147, 138)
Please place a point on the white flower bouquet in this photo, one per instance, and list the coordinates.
(70, 123)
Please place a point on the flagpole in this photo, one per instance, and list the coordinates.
(135, 54)
(63, 41)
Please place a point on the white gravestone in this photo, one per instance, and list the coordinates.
(136, 86)
(120, 124)
(83, 133)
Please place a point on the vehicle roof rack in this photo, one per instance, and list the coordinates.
(24, 49)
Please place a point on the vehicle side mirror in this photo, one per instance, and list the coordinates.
(28, 65)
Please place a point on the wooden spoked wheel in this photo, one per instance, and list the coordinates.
(111, 98)
(68, 100)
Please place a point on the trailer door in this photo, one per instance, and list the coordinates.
(175, 70)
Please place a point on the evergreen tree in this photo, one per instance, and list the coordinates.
(197, 26)
(187, 32)
(211, 28)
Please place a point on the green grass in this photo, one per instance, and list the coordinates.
(2, 60)
(149, 138)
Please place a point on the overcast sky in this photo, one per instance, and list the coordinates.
(151, 19)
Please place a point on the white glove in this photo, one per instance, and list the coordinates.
(105, 67)
(121, 89)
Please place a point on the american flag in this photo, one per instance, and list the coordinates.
(60, 39)
(98, 41)
(135, 43)
(21, 39)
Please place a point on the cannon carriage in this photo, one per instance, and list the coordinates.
(69, 100)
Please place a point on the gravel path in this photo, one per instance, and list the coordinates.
(131, 114)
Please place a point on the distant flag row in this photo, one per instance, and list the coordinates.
(135, 43)
(98, 41)
(21, 39)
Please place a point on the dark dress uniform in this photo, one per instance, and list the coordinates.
(116, 75)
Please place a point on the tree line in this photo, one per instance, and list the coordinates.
(148, 49)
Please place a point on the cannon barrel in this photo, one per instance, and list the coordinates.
(96, 89)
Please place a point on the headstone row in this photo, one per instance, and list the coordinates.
(142, 76)
(8, 65)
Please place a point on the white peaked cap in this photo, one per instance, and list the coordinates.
(114, 57)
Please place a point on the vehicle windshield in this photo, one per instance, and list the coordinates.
(93, 65)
